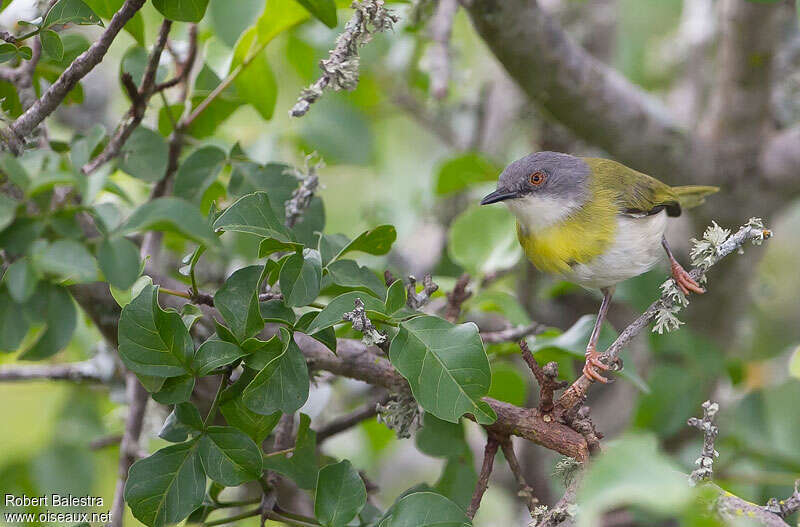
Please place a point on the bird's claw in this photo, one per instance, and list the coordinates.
(592, 364)
(684, 280)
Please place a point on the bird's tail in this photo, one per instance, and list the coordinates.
(693, 195)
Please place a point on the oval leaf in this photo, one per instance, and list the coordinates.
(229, 456)
(340, 495)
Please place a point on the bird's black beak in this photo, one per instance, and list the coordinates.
(498, 195)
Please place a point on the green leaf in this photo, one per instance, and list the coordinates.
(278, 16)
(458, 479)
(70, 12)
(229, 24)
(439, 438)
(153, 341)
(174, 390)
(282, 384)
(332, 313)
(271, 245)
(376, 241)
(21, 279)
(276, 311)
(145, 155)
(340, 495)
(261, 352)
(460, 172)
(213, 354)
(8, 52)
(484, 239)
(252, 214)
(425, 509)
(171, 215)
(13, 326)
(182, 10)
(255, 84)
(330, 245)
(123, 297)
(229, 456)
(508, 384)
(324, 10)
(347, 273)
(237, 302)
(166, 487)
(301, 464)
(119, 260)
(51, 44)
(446, 367)
(183, 420)
(218, 111)
(8, 209)
(631, 471)
(258, 427)
(197, 172)
(53, 308)
(11, 167)
(301, 278)
(395, 297)
(794, 364)
(68, 260)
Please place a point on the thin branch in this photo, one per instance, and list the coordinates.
(416, 300)
(787, 507)
(596, 102)
(547, 377)
(361, 322)
(340, 69)
(440, 27)
(489, 453)
(129, 446)
(139, 99)
(301, 197)
(350, 420)
(92, 371)
(524, 490)
(752, 232)
(456, 298)
(706, 425)
(78, 69)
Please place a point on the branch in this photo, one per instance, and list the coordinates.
(302, 195)
(345, 422)
(587, 96)
(512, 333)
(483, 479)
(354, 360)
(710, 431)
(524, 490)
(416, 300)
(99, 369)
(441, 26)
(79, 67)
(139, 100)
(546, 377)
(340, 69)
(668, 303)
(456, 298)
(129, 446)
(787, 507)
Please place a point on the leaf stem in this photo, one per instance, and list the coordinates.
(279, 452)
(235, 517)
(174, 292)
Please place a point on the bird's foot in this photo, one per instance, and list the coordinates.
(684, 280)
(593, 363)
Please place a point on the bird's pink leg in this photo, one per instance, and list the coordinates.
(593, 362)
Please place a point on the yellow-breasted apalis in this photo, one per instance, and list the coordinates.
(595, 222)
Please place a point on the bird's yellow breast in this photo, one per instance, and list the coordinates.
(579, 238)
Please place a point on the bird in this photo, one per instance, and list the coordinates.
(594, 222)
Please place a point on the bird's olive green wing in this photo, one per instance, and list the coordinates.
(633, 192)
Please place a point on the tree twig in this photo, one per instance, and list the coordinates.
(456, 298)
(83, 64)
(489, 452)
(547, 377)
(524, 490)
(91, 371)
(416, 300)
(129, 446)
(350, 420)
(706, 425)
(512, 333)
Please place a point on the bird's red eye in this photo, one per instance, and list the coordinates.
(537, 178)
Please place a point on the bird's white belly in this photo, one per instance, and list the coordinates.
(636, 249)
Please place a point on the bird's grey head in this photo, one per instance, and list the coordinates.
(542, 187)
